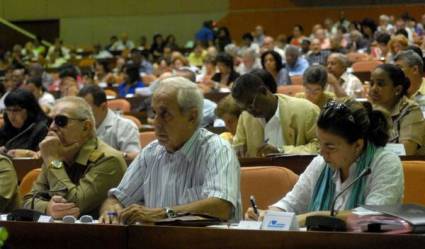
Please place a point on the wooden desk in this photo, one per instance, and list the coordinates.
(23, 166)
(28, 235)
(55, 235)
(155, 237)
(295, 163)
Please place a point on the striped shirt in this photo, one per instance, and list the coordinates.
(205, 166)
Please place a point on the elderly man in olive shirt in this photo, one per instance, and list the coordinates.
(78, 169)
(9, 198)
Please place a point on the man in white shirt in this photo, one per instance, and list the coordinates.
(340, 81)
(120, 133)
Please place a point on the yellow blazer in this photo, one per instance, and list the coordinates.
(298, 119)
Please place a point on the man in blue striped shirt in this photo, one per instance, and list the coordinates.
(188, 169)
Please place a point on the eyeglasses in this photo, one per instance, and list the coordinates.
(62, 120)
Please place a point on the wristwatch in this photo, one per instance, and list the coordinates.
(170, 213)
(56, 164)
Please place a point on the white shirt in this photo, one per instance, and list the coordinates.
(273, 130)
(118, 132)
(204, 167)
(46, 99)
(384, 186)
(352, 86)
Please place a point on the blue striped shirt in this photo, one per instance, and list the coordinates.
(205, 166)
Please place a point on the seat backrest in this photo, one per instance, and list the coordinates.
(28, 180)
(355, 56)
(290, 90)
(414, 181)
(267, 183)
(146, 137)
(297, 80)
(119, 104)
(110, 92)
(135, 120)
(365, 66)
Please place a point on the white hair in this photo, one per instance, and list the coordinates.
(342, 58)
(81, 109)
(188, 94)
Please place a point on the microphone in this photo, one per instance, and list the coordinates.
(332, 223)
(24, 214)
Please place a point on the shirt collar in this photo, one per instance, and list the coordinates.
(344, 76)
(398, 106)
(187, 150)
(86, 151)
(108, 121)
(421, 90)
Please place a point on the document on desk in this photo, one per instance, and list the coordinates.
(190, 220)
(249, 225)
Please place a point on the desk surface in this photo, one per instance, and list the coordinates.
(28, 235)
(154, 237)
(54, 235)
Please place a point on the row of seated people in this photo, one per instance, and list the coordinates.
(278, 120)
(405, 121)
(188, 169)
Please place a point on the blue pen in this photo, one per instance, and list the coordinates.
(254, 204)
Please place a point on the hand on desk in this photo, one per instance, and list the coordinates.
(58, 207)
(138, 213)
(266, 149)
(110, 211)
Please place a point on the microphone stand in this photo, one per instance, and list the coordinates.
(332, 223)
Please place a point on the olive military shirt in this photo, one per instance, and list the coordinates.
(97, 168)
(9, 197)
(408, 124)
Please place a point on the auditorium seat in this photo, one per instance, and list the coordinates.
(297, 80)
(365, 66)
(119, 104)
(28, 180)
(146, 137)
(110, 93)
(135, 120)
(355, 56)
(414, 180)
(290, 90)
(267, 183)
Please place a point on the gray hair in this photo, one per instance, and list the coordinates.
(81, 109)
(341, 58)
(249, 52)
(292, 50)
(188, 94)
(316, 74)
(411, 58)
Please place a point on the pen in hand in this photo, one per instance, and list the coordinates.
(254, 204)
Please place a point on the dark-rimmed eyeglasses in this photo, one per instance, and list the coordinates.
(62, 120)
